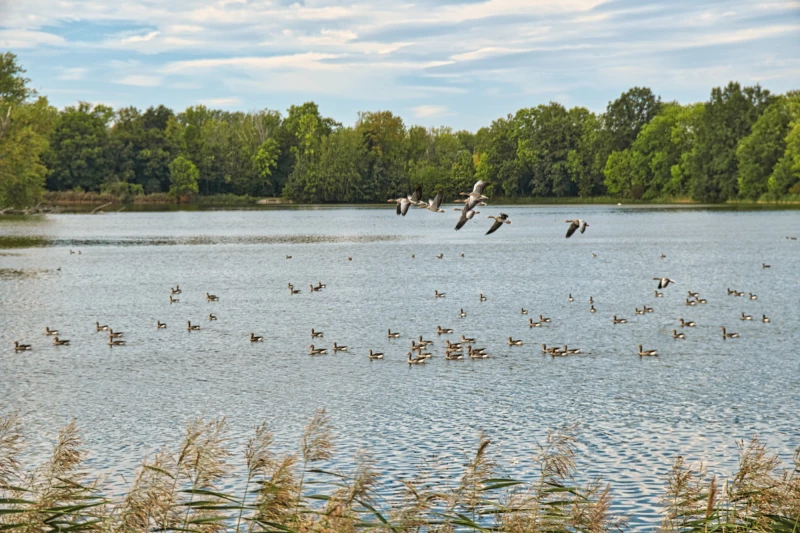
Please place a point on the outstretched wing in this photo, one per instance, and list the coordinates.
(398, 208)
(437, 201)
(403, 206)
(479, 186)
(572, 227)
(415, 197)
(583, 226)
(497, 224)
(462, 220)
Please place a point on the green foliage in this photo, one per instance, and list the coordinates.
(628, 114)
(183, 177)
(14, 88)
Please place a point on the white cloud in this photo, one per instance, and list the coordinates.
(140, 80)
(221, 102)
(72, 74)
(309, 60)
(18, 39)
(141, 38)
(427, 111)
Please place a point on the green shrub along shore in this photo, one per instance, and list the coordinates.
(180, 489)
(741, 145)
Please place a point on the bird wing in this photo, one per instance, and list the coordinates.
(437, 201)
(461, 221)
(479, 186)
(415, 197)
(497, 224)
(583, 226)
(404, 209)
(398, 208)
(572, 227)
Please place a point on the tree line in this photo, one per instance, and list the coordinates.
(741, 144)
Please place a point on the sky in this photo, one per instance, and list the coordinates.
(461, 63)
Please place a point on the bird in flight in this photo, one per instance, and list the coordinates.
(498, 221)
(574, 225)
(663, 282)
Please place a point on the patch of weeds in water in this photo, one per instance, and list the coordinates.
(16, 241)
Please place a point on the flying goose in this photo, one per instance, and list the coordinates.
(466, 216)
(190, 327)
(543, 319)
(415, 360)
(482, 297)
(676, 335)
(524, 311)
(212, 298)
(437, 294)
(48, 331)
(116, 342)
(99, 327)
(765, 319)
(663, 282)
(433, 204)
(619, 320)
(475, 197)
(373, 356)
(316, 333)
(316, 351)
(643, 353)
(160, 325)
(745, 317)
(337, 348)
(256, 338)
(685, 324)
(212, 316)
(726, 335)
(21, 347)
(462, 314)
(512, 342)
(574, 225)
(60, 342)
(405, 202)
(391, 335)
(440, 330)
(498, 221)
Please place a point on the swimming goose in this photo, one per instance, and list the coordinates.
(543, 319)
(676, 335)
(512, 342)
(416, 347)
(160, 325)
(570, 298)
(659, 294)
(532, 324)
(337, 348)
(256, 338)
(115, 334)
(594, 255)
(693, 294)
(591, 300)
(545, 349)
(462, 314)
(313, 288)
(685, 324)
(173, 300)
(643, 353)
(726, 335)
(662, 256)
(415, 360)
(316, 333)
(753, 296)
(437, 294)
(482, 297)
(452, 345)
(349, 258)
(647, 309)
(745, 317)
(48, 331)
(690, 302)
(498, 221)
(190, 327)
(60, 342)
(574, 225)
(316, 351)
(116, 342)
(619, 320)
(592, 309)
(524, 311)
(739, 294)
(764, 319)
(638, 311)
(454, 356)
(212, 316)
(288, 257)
(424, 342)
(467, 339)
(440, 330)
(293, 291)
(763, 265)
(557, 352)
(663, 283)
(466, 215)
(435, 202)
(571, 351)
(99, 327)
(391, 335)
(71, 252)
(176, 290)
(21, 347)
(373, 356)
(731, 292)
(212, 298)
(449, 351)
(701, 300)
(322, 285)
(477, 353)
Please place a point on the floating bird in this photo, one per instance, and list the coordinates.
(619, 320)
(477, 353)
(574, 225)
(60, 342)
(256, 338)
(21, 347)
(570, 298)
(498, 221)
(676, 335)
(763, 265)
(440, 256)
(115, 334)
(685, 324)
(437, 294)
(690, 302)
(524, 311)
(288, 257)
(99, 327)
(415, 360)
(701, 300)
(532, 324)
(190, 327)
(659, 294)
(440, 330)
(643, 353)
(452, 345)
(765, 319)
(373, 355)
(173, 300)
(512, 342)
(543, 319)
(663, 282)
(433, 204)
(176, 290)
(293, 291)
(337, 348)
(48, 331)
(391, 335)
(312, 288)
(316, 351)
(160, 325)
(592, 309)
(116, 342)
(745, 317)
(212, 298)
(467, 339)
(753, 296)
(454, 356)
(482, 297)
(726, 335)
(462, 314)
(692, 294)
(212, 316)
(316, 333)
(662, 256)
(571, 351)
(638, 311)
(423, 342)
(647, 309)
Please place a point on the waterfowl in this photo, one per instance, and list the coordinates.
(753, 296)
(647, 309)
(726, 335)
(532, 324)
(337, 348)
(435, 202)
(676, 335)
(375, 355)
(764, 319)
(288, 257)
(545, 349)
(405, 202)
(391, 335)
(701, 300)
(437, 294)
(450, 351)
(413, 256)
(414, 360)
(21, 347)
(685, 324)
(48, 331)
(115, 334)
(293, 291)
(477, 353)
(663, 283)
(316, 333)
(454, 356)
(212, 298)
(322, 285)
(524, 311)
(256, 338)
(693, 294)
(60, 342)
(594, 255)
(643, 353)
(543, 319)
(591, 300)
(452, 345)
(71, 252)
(482, 297)
(316, 351)
(557, 352)
(462, 255)
(99, 327)
(116, 342)
(592, 309)
(467, 339)
(512, 342)
(313, 288)
(638, 311)
(462, 314)
(662, 256)
(498, 221)
(424, 342)
(659, 294)
(349, 258)
(571, 351)
(574, 225)
(690, 302)
(160, 325)
(619, 320)
(763, 265)
(440, 330)
(745, 317)
(212, 316)
(570, 298)
(190, 327)
(173, 300)
(466, 215)
(176, 290)
(476, 196)
(739, 294)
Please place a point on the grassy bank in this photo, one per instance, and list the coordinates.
(180, 490)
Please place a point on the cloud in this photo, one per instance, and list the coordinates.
(221, 102)
(310, 60)
(428, 111)
(141, 38)
(140, 80)
(19, 39)
(72, 74)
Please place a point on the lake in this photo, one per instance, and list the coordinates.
(633, 415)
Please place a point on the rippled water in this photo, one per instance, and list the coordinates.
(634, 415)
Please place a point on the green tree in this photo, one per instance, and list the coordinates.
(585, 162)
(183, 177)
(628, 114)
(759, 152)
(619, 177)
(785, 177)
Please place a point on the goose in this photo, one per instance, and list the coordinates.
(462, 314)
(753, 296)
(440, 330)
(543, 319)
(619, 320)
(416, 347)
(413, 256)
(477, 192)
(676, 335)
(482, 297)
(690, 302)
(115, 334)
(745, 317)
(435, 202)
(765, 319)
(391, 335)
(426, 355)
(349, 258)
(337, 348)
(726, 335)
(592, 309)
(212, 316)
(524, 311)
(477, 353)
(452, 345)
(643, 353)
(638, 311)
(322, 285)
(453, 356)
(731, 291)
(294, 291)
(99, 327)
(440, 256)
(173, 300)
(372, 356)
(316, 333)
(693, 294)
(48, 331)
(532, 324)
(313, 288)
(570, 298)
(176, 290)
(571, 351)
(60, 342)
(462, 255)
(701, 300)
(574, 225)
(647, 309)
(512, 342)
(659, 294)
(116, 342)
(662, 256)
(685, 324)
(437, 294)
(663, 283)
(739, 294)
(405, 202)
(545, 349)
(414, 360)
(212, 298)
(466, 216)
(764, 265)
(591, 300)
(21, 347)
(557, 352)
(160, 325)
(424, 342)
(467, 339)
(450, 351)
(71, 252)
(256, 338)
(190, 327)
(498, 221)
(316, 351)
(288, 257)
(594, 255)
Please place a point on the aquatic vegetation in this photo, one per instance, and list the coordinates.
(181, 490)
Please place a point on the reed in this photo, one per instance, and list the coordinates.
(181, 489)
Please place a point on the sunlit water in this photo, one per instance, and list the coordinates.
(633, 415)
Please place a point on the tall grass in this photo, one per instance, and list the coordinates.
(180, 489)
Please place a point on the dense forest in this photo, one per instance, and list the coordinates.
(741, 144)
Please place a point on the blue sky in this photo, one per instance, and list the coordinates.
(460, 63)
